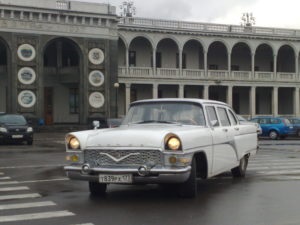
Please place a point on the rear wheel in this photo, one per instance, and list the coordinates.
(273, 135)
(240, 170)
(97, 189)
(298, 133)
(188, 189)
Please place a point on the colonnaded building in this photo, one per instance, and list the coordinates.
(68, 61)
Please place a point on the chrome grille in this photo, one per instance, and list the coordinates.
(98, 158)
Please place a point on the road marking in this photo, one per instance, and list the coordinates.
(20, 196)
(5, 178)
(38, 181)
(84, 224)
(26, 205)
(34, 216)
(278, 172)
(8, 182)
(21, 188)
(32, 166)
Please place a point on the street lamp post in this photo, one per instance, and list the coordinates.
(116, 86)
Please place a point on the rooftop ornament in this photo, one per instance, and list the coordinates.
(128, 9)
(248, 20)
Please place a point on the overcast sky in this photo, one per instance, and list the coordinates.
(268, 13)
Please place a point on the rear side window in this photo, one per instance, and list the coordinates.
(223, 116)
(274, 121)
(212, 116)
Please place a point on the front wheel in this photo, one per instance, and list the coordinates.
(273, 135)
(240, 170)
(97, 189)
(188, 189)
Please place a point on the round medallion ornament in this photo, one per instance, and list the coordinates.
(96, 100)
(96, 56)
(26, 52)
(96, 78)
(26, 98)
(26, 75)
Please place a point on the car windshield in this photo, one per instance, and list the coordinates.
(12, 119)
(165, 112)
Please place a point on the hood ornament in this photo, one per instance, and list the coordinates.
(119, 159)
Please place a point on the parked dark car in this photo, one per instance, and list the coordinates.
(296, 124)
(15, 129)
(274, 127)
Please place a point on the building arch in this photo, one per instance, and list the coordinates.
(264, 58)
(217, 56)
(5, 76)
(62, 74)
(140, 52)
(241, 57)
(193, 55)
(167, 53)
(286, 59)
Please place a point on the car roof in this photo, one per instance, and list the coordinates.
(191, 100)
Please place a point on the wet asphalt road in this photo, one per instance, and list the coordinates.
(269, 195)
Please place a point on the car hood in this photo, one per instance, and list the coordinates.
(142, 136)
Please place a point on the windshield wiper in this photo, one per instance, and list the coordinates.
(156, 121)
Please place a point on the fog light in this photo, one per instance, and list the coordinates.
(73, 158)
(184, 160)
(173, 159)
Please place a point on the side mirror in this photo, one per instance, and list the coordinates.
(96, 124)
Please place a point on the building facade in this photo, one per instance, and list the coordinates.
(58, 59)
(67, 61)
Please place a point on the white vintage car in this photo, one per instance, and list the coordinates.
(163, 141)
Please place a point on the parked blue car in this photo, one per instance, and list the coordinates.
(296, 124)
(274, 127)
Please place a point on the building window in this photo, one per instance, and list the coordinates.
(213, 67)
(132, 58)
(235, 68)
(158, 59)
(74, 100)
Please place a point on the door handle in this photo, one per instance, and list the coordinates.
(236, 128)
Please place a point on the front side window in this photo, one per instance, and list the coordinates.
(212, 116)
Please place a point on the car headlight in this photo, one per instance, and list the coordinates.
(173, 143)
(29, 129)
(3, 130)
(73, 143)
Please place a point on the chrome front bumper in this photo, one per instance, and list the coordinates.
(141, 174)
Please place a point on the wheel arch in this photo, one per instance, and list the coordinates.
(201, 164)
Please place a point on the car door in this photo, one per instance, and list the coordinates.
(223, 152)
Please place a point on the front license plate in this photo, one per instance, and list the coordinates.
(17, 136)
(108, 178)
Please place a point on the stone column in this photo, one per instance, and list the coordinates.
(296, 65)
(127, 96)
(127, 61)
(253, 101)
(181, 91)
(229, 95)
(253, 65)
(206, 92)
(229, 64)
(154, 61)
(155, 91)
(205, 64)
(275, 101)
(180, 62)
(275, 66)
